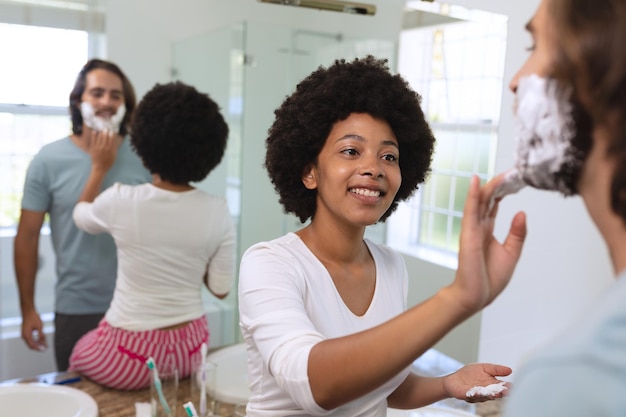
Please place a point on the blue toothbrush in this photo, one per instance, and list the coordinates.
(157, 385)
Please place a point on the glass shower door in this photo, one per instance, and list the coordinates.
(212, 63)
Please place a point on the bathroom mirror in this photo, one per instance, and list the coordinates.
(453, 56)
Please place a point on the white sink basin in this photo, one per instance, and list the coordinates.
(42, 400)
(232, 374)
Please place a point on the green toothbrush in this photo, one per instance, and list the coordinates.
(157, 385)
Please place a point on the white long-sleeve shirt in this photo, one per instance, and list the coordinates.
(288, 303)
(166, 242)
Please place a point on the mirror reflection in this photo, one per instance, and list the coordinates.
(452, 55)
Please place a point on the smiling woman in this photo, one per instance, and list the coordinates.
(315, 305)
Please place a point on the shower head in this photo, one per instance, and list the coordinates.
(332, 5)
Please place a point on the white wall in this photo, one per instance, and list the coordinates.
(564, 264)
(140, 32)
(425, 279)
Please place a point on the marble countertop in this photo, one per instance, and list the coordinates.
(111, 402)
(489, 408)
(115, 403)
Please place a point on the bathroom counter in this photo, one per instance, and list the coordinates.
(489, 408)
(115, 403)
(112, 403)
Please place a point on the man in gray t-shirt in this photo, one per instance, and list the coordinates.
(86, 265)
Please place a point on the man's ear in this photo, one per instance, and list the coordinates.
(308, 178)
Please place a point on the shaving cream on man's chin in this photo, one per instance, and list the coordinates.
(100, 123)
(544, 132)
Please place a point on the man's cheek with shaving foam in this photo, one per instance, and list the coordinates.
(98, 123)
(545, 156)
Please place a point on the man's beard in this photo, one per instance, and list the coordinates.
(98, 123)
(580, 146)
(553, 136)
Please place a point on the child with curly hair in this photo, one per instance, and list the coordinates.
(171, 239)
(323, 311)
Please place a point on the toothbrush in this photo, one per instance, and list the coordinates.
(203, 352)
(157, 385)
(190, 409)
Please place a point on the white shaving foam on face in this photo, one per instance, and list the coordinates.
(544, 132)
(487, 391)
(100, 123)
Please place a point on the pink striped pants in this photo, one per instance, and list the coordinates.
(116, 358)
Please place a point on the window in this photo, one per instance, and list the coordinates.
(34, 95)
(34, 98)
(456, 63)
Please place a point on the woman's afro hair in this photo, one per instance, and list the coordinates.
(179, 133)
(328, 95)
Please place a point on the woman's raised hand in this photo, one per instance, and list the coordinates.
(485, 265)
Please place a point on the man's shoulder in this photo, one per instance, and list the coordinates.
(54, 154)
(56, 147)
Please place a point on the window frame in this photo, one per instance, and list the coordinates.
(406, 228)
(86, 17)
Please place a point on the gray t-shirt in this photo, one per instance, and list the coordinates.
(582, 373)
(85, 264)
